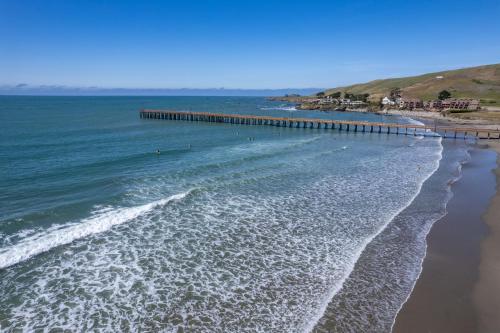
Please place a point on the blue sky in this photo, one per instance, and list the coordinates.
(240, 44)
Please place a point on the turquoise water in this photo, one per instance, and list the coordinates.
(217, 233)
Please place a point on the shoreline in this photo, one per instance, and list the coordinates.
(450, 294)
(453, 292)
(435, 117)
(318, 323)
(458, 287)
(486, 293)
(384, 279)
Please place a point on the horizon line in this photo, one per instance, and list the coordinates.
(25, 90)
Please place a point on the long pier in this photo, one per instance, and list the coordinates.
(342, 125)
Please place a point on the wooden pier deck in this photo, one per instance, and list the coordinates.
(342, 125)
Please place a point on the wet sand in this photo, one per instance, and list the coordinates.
(454, 293)
(487, 289)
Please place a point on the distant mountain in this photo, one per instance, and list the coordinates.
(26, 89)
(481, 82)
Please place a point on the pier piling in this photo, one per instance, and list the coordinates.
(316, 123)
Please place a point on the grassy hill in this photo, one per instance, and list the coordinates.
(481, 82)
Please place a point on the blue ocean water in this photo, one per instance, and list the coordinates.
(216, 233)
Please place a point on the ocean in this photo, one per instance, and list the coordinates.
(231, 228)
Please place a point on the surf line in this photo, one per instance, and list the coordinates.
(309, 325)
(61, 235)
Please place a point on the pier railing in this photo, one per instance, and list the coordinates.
(342, 125)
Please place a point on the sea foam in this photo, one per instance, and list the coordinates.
(278, 227)
(58, 235)
(280, 108)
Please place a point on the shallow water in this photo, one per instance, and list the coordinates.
(217, 233)
(386, 272)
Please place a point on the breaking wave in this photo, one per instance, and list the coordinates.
(280, 108)
(100, 221)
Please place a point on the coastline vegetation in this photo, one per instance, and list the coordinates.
(482, 82)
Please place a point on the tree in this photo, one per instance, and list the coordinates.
(395, 93)
(336, 94)
(320, 94)
(444, 94)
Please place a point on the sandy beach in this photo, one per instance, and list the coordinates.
(487, 289)
(458, 289)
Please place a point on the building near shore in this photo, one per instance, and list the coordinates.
(387, 101)
(433, 105)
(410, 103)
(453, 104)
(354, 104)
(460, 104)
(329, 100)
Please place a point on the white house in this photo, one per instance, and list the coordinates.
(387, 101)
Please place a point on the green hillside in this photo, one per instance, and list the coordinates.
(481, 82)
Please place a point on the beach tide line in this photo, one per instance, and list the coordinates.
(450, 196)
